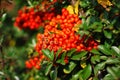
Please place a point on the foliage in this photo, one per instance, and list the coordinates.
(100, 21)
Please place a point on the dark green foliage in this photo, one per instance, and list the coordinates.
(16, 46)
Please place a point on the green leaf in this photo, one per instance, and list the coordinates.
(107, 44)
(70, 53)
(104, 50)
(3, 17)
(48, 68)
(48, 54)
(58, 52)
(112, 72)
(52, 55)
(61, 59)
(77, 75)
(108, 77)
(107, 34)
(103, 57)
(69, 67)
(53, 74)
(94, 51)
(98, 67)
(116, 50)
(96, 27)
(79, 55)
(95, 59)
(86, 72)
(112, 61)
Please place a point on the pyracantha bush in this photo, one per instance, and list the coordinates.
(60, 32)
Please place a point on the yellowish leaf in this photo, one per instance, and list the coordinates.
(12, 42)
(104, 3)
(76, 7)
(70, 9)
(31, 78)
(83, 64)
(76, 28)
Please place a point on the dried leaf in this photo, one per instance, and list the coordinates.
(104, 3)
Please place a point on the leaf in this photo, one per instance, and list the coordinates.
(107, 34)
(95, 59)
(48, 54)
(116, 50)
(112, 61)
(98, 67)
(108, 77)
(76, 7)
(94, 51)
(112, 72)
(77, 75)
(103, 57)
(69, 67)
(73, 10)
(52, 55)
(70, 9)
(83, 64)
(58, 52)
(3, 17)
(70, 53)
(61, 60)
(53, 74)
(79, 55)
(48, 68)
(86, 72)
(104, 3)
(104, 50)
(84, 3)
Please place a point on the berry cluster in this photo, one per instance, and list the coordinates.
(32, 18)
(60, 33)
(28, 18)
(34, 62)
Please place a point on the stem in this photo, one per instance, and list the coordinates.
(2, 58)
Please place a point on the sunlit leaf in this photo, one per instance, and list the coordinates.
(3, 17)
(112, 61)
(107, 34)
(104, 50)
(69, 67)
(83, 64)
(116, 50)
(112, 72)
(104, 3)
(76, 7)
(70, 9)
(103, 57)
(108, 77)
